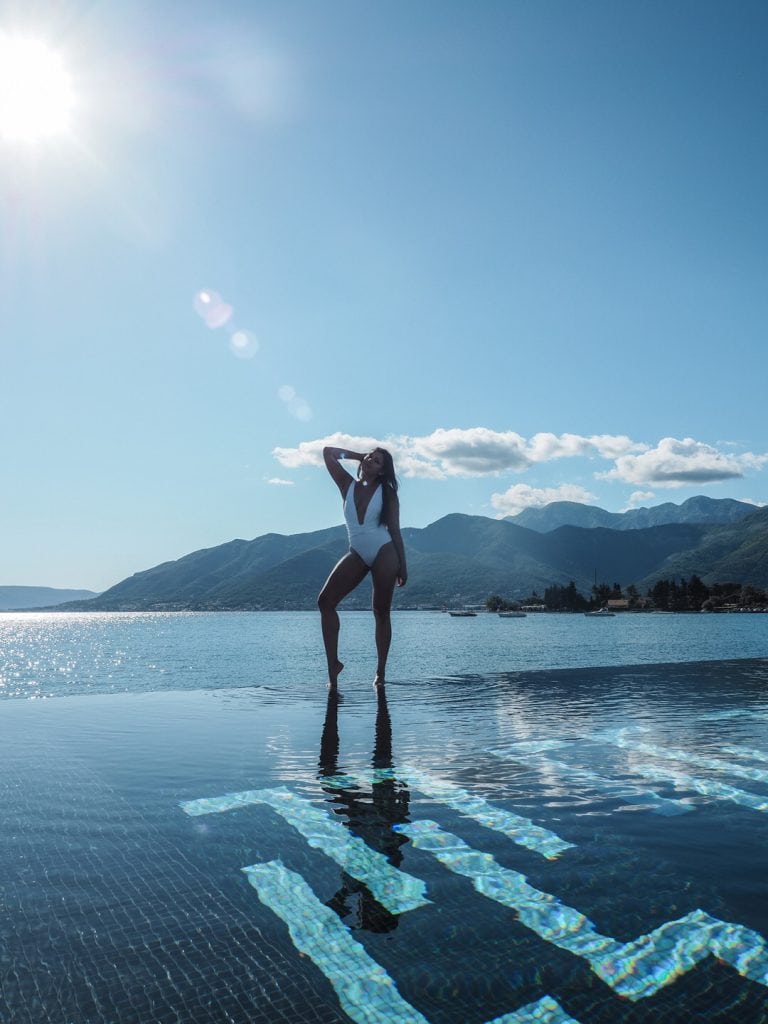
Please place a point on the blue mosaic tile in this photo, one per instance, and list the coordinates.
(544, 1011)
(635, 969)
(394, 889)
(365, 990)
(519, 829)
(534, 755)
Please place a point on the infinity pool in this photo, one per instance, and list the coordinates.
(572, 845)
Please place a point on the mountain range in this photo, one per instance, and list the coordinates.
(20, 598)
(461, 559)
(570, 513)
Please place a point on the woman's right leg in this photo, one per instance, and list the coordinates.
(384, 576)
(345, 576)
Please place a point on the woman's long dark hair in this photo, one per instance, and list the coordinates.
(389, 484)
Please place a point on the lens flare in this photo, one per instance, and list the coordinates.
(212, 309)
(296, 405)
(243, 344)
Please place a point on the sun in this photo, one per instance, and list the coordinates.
(36, 93)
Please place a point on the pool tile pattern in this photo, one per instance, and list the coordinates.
(615, 788)
(636, 969)
(365, 990)
(142, 935)
(544, 1011)
(120, 924)
(395, 890)
(519, 829)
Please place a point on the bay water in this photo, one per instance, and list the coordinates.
(58, 654)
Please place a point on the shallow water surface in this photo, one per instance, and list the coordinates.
(582, 843)
(52, 654)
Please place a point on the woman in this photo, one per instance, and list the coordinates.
(372, 513)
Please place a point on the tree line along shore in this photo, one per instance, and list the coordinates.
(667, 595)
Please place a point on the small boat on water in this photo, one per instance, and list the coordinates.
(601, 613)
(511, 615)
(463, 614)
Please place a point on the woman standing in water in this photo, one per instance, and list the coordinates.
(372, 513)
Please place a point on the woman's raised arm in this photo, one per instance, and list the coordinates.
(332, 457)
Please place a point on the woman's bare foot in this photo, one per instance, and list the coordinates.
(333, 676)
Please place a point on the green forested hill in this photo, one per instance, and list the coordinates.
(697, 510)
(737, 552)
(458, 559)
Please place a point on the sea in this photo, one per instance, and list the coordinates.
(553, 818)
(44, 655)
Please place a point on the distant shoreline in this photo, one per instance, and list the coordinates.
(363, 611)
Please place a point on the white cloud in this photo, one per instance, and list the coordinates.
(479, 451)
(638, 499)
(676, 463)
(472, 452)
(310, 453)
(444, 453)
(521, 496)
(277, 481)
(545, 447)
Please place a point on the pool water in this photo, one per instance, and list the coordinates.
(568, 844)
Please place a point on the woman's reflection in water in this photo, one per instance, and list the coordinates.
(368, 815)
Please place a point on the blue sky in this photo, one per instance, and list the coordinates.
(523, 244)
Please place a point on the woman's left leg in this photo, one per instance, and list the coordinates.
(383, 575)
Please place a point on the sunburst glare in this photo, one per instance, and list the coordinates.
(36, 90)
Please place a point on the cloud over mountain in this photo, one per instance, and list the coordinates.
(674, 463)
(475, 451)
(480, 451)
(521, 496)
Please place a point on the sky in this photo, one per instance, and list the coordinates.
(522, 244)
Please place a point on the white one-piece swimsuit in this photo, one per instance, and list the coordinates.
(367, 538)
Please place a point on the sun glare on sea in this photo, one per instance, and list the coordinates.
(36, 92)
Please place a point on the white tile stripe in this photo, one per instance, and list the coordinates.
(531, 752)
(749, 752)
(366, 991)
(663, 773)
(621, 738)
(543, 1011)
(611, 787)
(707, 787)
(634, 969)
(395, 890)
(520, 830)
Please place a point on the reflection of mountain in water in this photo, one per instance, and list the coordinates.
(368, 815)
